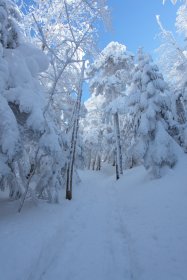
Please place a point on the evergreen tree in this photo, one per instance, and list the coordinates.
(109, 75)
(28, 135)
(150, 109)
(173, 62)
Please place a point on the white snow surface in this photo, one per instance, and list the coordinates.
(133, 229)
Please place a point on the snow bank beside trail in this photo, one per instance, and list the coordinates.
(28, 240)
(154, 215)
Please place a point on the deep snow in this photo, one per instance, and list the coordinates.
(133, 229)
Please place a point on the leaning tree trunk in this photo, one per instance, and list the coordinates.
(119, 160)
(70, 164)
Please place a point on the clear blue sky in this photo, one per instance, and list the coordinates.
(134, 23)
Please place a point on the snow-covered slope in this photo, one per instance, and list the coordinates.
(131, 229)
(154, 214)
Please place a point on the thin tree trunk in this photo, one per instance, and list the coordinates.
(68, 194)
(89, 159)
(70, 167)
(32, 172)
(98, 162)
(69, 164)
(119, 160)
(94, 162)
(113, 158)
(117, 169)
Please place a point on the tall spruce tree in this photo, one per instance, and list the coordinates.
(149, 106)
(109, 75)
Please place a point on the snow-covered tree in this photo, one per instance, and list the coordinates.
(9, 29)
(149, 106)
(172, 1)
(181, 20)
(28, 135)
(110, 73)
(172, 58)
(173, 62)
(10, 140)
(93, 127)
(65, 31)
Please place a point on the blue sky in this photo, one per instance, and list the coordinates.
(134, 23)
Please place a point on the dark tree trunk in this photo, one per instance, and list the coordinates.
(117, 169)
(70, 165)
(119, 160)
(98, 163)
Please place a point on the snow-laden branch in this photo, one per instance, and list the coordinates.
(170, 38)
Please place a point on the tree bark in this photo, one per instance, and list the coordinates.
(98, 162)
(70, 165)
(89, 159)
(119, 159)
(117, 169)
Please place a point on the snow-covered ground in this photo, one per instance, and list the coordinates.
(133, 229)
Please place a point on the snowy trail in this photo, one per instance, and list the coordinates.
(94, 245)
(132, 229)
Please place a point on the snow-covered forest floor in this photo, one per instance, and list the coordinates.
(131, 229)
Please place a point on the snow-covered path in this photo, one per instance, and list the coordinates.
(94, 244)
(133, 229)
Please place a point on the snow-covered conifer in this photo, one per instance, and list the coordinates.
(93, 127)
(110, 74)
(149, 106)
(173, 62)
(9, 24)
(28, 133)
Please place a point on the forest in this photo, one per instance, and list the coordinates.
(47, 132)
(50, 136)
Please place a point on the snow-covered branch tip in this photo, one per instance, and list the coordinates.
(172, 1)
